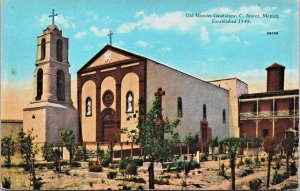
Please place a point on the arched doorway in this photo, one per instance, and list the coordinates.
(110, 131)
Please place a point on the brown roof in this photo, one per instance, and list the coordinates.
(270, 94)
(275, 65)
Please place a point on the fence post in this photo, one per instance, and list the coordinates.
(97, 150)
(121, 145)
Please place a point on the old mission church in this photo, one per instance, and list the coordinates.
(114, 83)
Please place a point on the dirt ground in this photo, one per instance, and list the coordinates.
(204, 178)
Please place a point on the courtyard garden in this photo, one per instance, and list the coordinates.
(227, 164)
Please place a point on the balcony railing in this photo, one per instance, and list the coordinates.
(269, 114)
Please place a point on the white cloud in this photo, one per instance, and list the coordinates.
(204, 35)
(88, 48)
(246, 43)
(142, 43)
(127, 27)
(119, 43)
(287, 11)
(166, 49)
(80, 34)
(98, 32)
(228, 38)
(170, 20)
(60, 21)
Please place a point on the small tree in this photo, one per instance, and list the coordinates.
(191, 139)
(26, 146)
(242, 146)
(288, 145)
(68, 141)
(257, 144)
(213, 143)
(270, 148)
(7, 149)
(232, 152)
(48, 152)
(153, 148)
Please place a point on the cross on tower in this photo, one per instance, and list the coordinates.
(158, 95)
(53, 15)
(110, 36)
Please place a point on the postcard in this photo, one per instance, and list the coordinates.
(149, 95)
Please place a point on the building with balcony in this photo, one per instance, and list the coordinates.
(269, 113)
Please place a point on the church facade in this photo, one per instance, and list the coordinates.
(115, 83)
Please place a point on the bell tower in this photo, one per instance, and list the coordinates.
(51, 108)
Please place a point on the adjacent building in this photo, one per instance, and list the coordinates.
(270, 113)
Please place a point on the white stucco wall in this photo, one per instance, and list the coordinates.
(236, 88)
(194, 94)
(130, 82)
(88, 123)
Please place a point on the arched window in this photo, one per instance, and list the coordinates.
(59, 50)
(39, 84)
(88, 106)
(204, 112)
(179, 107)
(43, 49)
(224, 116)
(129, 102)
(60, 85)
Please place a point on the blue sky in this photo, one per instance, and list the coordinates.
(159, 30)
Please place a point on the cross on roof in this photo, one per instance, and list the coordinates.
(110, 36)
(53, 15)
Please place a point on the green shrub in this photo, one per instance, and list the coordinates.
(125, 188)
(112, 174)
(255, 184)
(203, 157)
(96, 168)
(183, 183)
(38, 183)
(262, 159)
(222, 157)
(249, 162)
(179, 164)
(278, 177)
(293, 168)
(75, 164)
(124, 162)
(249, 171)
(240, 163)
(80, 153)
(131, 169)
(48, 152)
(222, 170)
(105, 159)
(138, 162)
(277, 160)
(6, 183)
(290, 185)
(194, 165)
(50, 165)
(141, 187)
(161, 181)
(136, 180)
